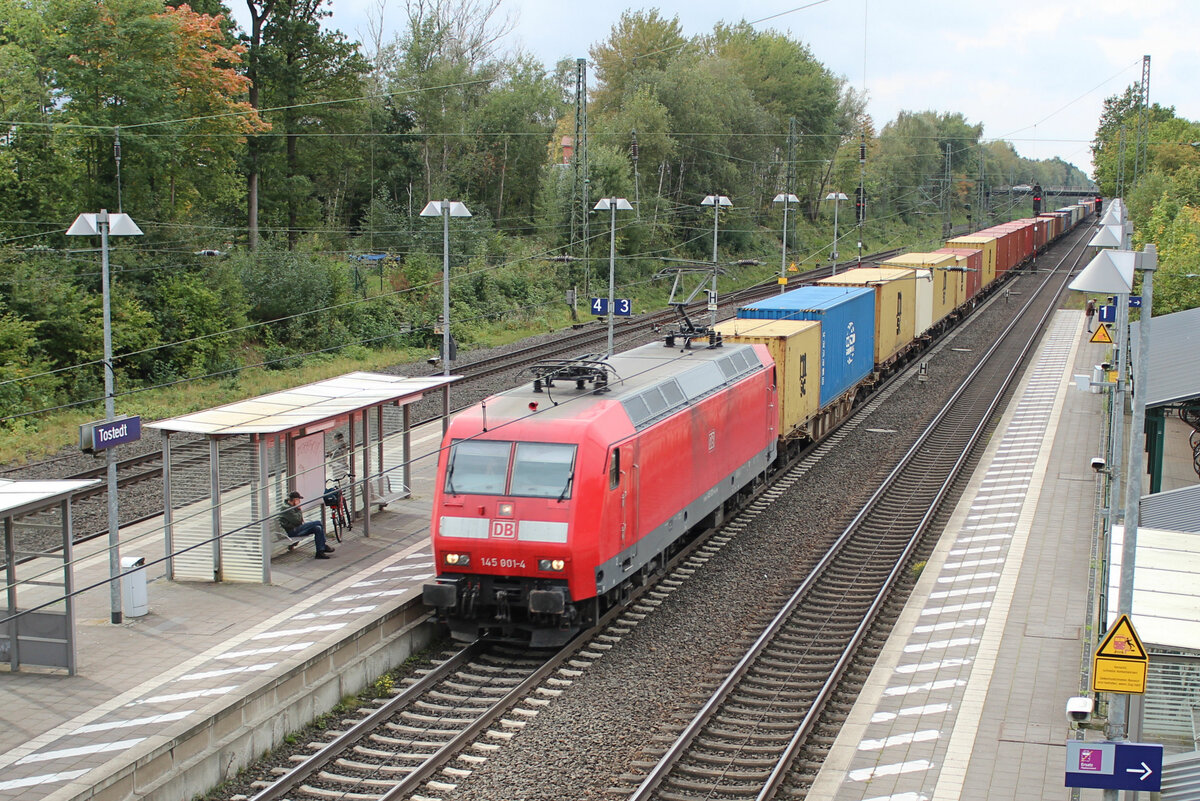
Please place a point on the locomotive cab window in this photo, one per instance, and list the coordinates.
(543, 470)
(478, 467)
(614, 469)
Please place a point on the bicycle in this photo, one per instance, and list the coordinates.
(339, 511)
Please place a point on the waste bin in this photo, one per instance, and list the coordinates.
(1098, 377)
(133, 586)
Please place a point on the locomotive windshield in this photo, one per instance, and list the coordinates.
(543, 470)
(539, 469)
(478, 467)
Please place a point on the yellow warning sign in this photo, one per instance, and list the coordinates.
(1122, 642)
(1102, 336)
(1120, 663)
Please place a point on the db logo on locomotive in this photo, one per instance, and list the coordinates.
(504, 529)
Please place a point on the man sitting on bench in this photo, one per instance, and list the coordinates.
(292, 520)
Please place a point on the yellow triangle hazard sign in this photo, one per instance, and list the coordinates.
(1102, 336)
(1122, 642)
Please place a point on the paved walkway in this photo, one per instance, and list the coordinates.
(966, 701)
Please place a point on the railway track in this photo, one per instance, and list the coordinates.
(768, 722)
(436, 732)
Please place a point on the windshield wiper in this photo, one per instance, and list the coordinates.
(566, 488)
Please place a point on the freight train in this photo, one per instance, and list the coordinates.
(555, 499)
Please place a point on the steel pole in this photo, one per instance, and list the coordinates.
(114, 535)
(612, 267)
(835, 235)
(712, 316)
(783, 258)
(445, 314)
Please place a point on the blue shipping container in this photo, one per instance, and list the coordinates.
(847, 318)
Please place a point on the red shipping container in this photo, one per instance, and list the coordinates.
(974, 275)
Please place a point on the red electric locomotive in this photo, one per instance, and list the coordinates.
(553, 498)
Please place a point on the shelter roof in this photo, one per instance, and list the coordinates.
(305, 406)
(1176, 510)
(1174, 341)
(20, 497)
(1164, 586)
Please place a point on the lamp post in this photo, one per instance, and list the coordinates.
(611, 204)
(716, 201)
(786, 198)
(445, 209)
(835, 197)
(106, 225)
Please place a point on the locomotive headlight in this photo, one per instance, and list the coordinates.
(504, 509)
(552, 565)
(458, 559)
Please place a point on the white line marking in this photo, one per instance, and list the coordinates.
(296, 646)
(162, 699)
(270, 635)
(169, 717)
(363, 595)
(83, 750)
(917, 648)
(972, 551)
(938, 610)
(983, 538)
(47, 778)
(971, 563)
(964, 591)
(952, 624)
(927, 709)
(866, 774)
(929, 686)
(966, 577)
(354, 610)
(212, 674)
(899, 739)
(938, 665)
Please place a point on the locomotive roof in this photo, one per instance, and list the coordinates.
(650, 381)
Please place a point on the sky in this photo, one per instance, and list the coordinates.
(1033, 73)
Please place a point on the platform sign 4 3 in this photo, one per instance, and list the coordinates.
(622, 307)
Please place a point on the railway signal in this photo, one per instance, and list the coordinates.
(1037, 199)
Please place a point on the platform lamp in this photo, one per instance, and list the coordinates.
(786, 198)
(717, 202)
(105, 225)
(445, 209)
(612, 205)
(835, 197)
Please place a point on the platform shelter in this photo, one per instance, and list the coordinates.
(227, 471)
(37, 621)
(1172, 380)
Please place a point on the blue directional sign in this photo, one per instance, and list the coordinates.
(622, 307)
(1114, 766)
(1135, 301)
(1107, 314)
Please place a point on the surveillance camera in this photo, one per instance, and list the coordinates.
(1098, 464)
(1105, 366)
(433, 361)
(1079, 709)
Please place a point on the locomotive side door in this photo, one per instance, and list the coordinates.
(627, 481)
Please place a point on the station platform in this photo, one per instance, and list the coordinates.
(968, 698)
(197, 682)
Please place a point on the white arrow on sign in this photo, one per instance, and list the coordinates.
(1145, 771)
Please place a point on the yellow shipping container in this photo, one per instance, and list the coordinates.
(985, 243)
(946, 295)
(895, 305)
(795, 345)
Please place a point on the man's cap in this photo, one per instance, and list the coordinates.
(294, 494)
